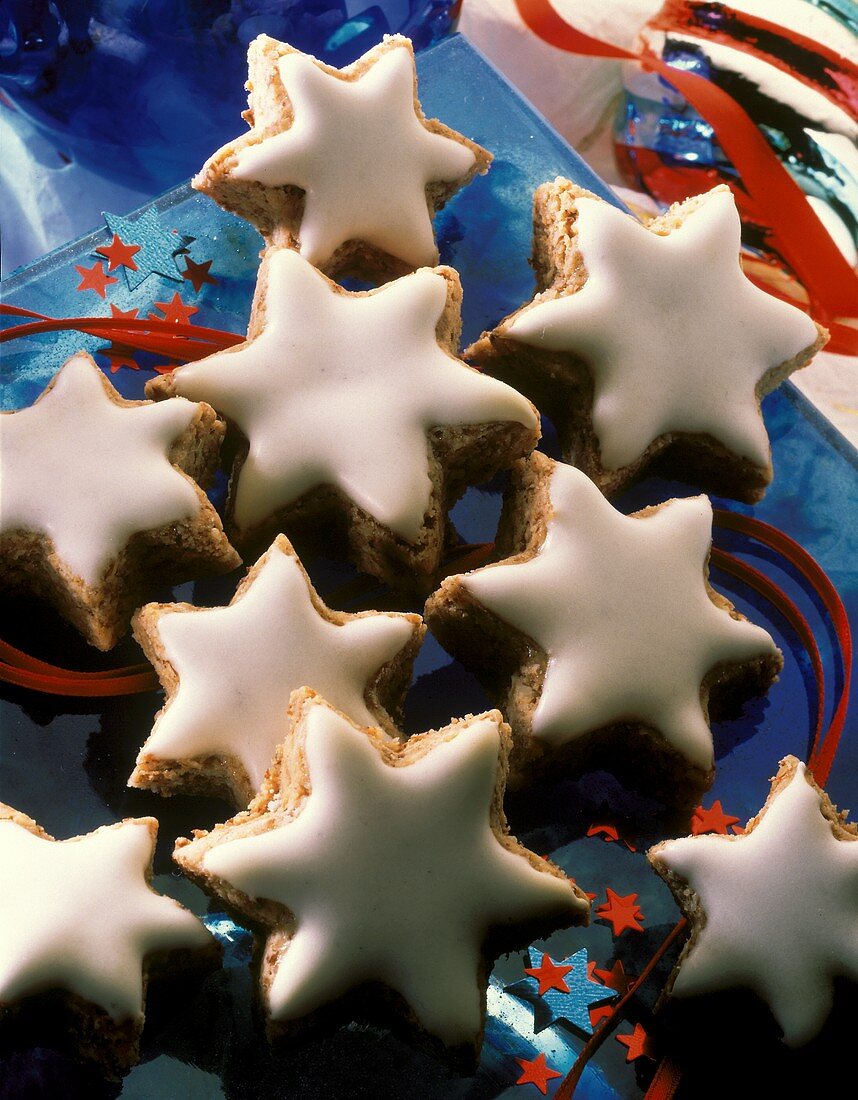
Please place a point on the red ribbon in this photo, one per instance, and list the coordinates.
(146, 334)
(24, 671)
(825, 741)
(841, 83)
(665, 1082)
(800, 236)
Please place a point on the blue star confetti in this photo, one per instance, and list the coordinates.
(570, 1004)
(157, 246)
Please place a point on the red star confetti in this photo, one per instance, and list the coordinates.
(119, 254)
(94, 278)
(123, 314)
(536, 1072)
(197, 274)
(621, 912)
(549, 974)
(610, 833)
(713, 820)
(615, 978)
(176, 310)
(638, 1044)
(597, 1015)
(120, 357)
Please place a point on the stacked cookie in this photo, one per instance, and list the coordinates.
(379, 873)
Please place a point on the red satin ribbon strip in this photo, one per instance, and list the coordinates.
(28, 672)
(665, 1082)
(175, 341)
(800, 236)
(841, 85)
(779, 599)
(825, 742)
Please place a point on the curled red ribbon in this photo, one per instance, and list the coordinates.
(800, 237)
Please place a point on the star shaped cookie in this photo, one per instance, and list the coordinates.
(382, 873)
(229, 673)
(355, 406)
(79, 921)
(97, 489)
(600, 633)
(342, 164)
(649, 342)
(774, 911)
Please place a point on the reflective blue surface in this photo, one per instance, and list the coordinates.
(66, 763)
(142, 91)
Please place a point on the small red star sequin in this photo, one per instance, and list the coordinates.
(609, 833)
(197, 274)
(713, 820)
(119, 254)
(615, 978)
(638, 1043)
(621, 912)
(597, 1015)
(536, 1072)
(176, 310)
(94, 278)
(549, 974)
(119, 357)
(123, 314)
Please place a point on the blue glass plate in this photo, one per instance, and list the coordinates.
(66, 762)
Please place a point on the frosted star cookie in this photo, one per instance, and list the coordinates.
(341, 164)
(360, 422)
(648, 343)
(98, 493)
(773, 911)
(382, 877)
(81, 930)
(229, 673)
(600, 633)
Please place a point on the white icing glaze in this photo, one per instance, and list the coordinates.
(238, 665)
(361, 154)
(88, 473)
(78, 915)
(340, 389)
(393, 874)
(781, 907)
(620, 606)
(675, 335)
